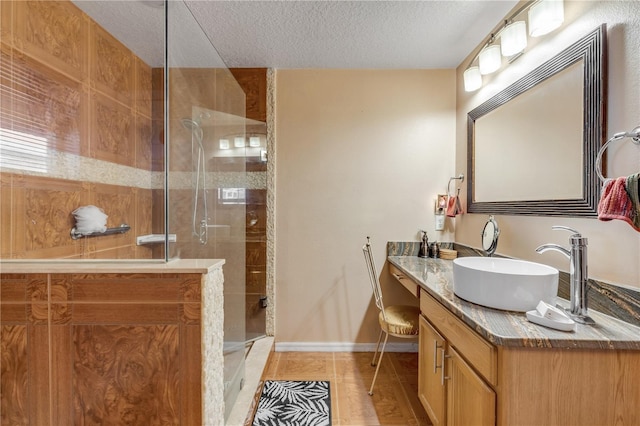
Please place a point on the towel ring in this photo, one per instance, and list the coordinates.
(635, 137)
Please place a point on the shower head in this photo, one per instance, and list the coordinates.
(190, 124)
(194, 127)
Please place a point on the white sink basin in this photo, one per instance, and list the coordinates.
(507, 284)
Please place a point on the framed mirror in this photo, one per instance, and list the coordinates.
(531, 148)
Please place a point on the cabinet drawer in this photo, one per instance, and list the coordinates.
(477, 351)
(408, 283)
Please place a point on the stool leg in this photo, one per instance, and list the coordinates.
(373, 361)
(386, 336)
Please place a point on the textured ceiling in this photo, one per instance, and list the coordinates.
(309, 34)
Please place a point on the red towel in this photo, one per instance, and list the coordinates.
(616, 204)
(458, 205)
(451, 206)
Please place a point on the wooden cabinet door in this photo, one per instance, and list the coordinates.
(431, 389)
(470, 402)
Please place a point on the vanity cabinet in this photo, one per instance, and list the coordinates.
(449, 388)
(500, 369)
(520, 385)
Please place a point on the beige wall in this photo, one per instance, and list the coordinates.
(358, 153)
(614, 247)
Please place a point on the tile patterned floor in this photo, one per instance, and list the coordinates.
(395, 396)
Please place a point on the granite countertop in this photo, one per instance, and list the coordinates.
(512, 329)
(180, 266)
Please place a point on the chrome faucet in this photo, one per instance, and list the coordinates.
(578, 271)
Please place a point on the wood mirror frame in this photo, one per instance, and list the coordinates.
(591, 49)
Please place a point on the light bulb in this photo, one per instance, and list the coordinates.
(545, 16)
(490, 59)
(513, 38)
(472, 79)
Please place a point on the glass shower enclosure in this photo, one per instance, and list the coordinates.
(131, 98)
(205, 172)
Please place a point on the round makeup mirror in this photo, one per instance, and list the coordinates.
(490, 234)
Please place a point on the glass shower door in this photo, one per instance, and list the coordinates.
(206, 172)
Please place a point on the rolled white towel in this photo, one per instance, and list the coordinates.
(90, 219)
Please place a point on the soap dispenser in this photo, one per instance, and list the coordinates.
(424, 245)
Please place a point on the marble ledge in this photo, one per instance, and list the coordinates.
(177, 266)
(512, 329)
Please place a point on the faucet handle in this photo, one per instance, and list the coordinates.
(576, 237)
(566, 228)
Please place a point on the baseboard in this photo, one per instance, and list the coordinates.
(342, 347)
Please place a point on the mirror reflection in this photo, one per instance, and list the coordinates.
(541, 127)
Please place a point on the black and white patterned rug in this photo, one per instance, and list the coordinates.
(294, 403)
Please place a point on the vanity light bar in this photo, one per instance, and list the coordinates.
(544, 16)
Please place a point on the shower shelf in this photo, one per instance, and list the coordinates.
(75, 234)
(154, 238)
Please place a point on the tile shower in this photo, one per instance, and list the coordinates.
(85, 120)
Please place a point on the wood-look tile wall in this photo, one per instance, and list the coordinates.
(69, 83)
(100, 349)
(254, 84)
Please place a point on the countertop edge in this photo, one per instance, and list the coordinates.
(181, 266)
(536, 336)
